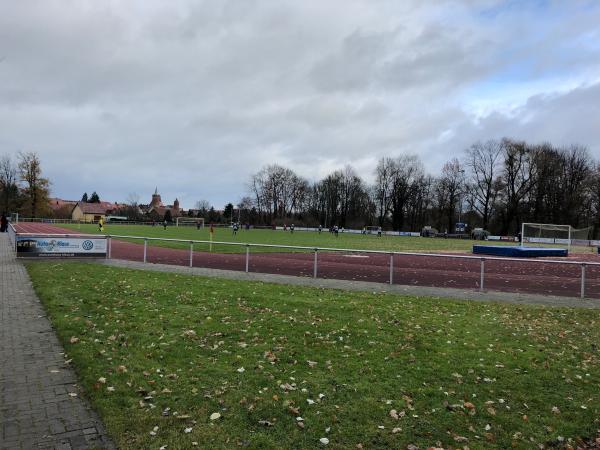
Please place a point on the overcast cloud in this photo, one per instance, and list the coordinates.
(194, 96)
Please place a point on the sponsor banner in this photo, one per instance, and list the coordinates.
(538, 240)
(502, 238)
(52, 246)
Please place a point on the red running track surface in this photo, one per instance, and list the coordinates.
(527, 276)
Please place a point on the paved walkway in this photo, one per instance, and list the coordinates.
(367, 286)
(41, 406)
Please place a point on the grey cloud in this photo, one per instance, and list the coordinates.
(195, 96)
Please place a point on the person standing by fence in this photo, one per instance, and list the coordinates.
(3, 224)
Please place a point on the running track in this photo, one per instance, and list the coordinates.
(529, 276)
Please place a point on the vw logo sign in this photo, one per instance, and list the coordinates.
(87, 245)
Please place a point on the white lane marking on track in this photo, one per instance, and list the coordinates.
(356, 256)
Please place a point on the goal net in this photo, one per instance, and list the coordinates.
(562, 235)
(372, 230)
(189, 222)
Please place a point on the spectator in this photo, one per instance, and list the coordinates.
(3, 224)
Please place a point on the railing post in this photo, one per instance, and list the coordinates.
(145, 249)
(247, 257)
(191, 253)
(582, 280)
(315, 264)
(481, 274)
(108, 247)
(391, 268)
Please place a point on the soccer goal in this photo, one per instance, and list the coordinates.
(546, 233)
(189, 221)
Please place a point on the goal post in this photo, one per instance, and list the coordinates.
(189, 222)
(372, 230)
(546, 233)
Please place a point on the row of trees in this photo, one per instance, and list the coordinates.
(94, 198)
(496, 185)
(23, 189)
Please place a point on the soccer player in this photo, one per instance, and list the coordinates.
(292, 228)
(101, 225)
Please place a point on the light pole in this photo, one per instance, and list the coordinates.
(462, 172)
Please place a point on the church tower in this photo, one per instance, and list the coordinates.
(176, 205)
(156, 200)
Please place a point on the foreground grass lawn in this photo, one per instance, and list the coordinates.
(173, 360)
(299, 238)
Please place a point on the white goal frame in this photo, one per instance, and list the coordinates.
(189, 220)
(372, 229)
(568, 228)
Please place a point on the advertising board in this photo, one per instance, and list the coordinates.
(54, 246)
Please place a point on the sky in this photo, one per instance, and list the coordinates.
(193, 97)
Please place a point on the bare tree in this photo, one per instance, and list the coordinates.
(483, 161)
(519, 177)
(278, 191)
(407, 171)
(133, 199)
(36, 186)
(384, 181)
(245, 206)
(202, 205)
(450, 189)
(9, 189)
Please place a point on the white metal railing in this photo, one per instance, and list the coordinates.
(83, 222)
(12, 235)
(316, 250)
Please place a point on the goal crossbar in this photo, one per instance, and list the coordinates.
(549, 233)
(189, 221)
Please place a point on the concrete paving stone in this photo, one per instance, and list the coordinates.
(36, 411)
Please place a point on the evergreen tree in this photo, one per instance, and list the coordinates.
(168, 216)
(212, 215)
(95, 198)
(84, 198)
(228, 213)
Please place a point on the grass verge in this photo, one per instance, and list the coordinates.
(293, 367)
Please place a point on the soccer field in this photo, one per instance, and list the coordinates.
(279, 237)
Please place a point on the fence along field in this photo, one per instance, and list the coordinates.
(575, 276)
